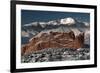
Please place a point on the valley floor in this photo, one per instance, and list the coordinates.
(57, 54)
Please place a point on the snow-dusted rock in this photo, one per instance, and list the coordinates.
(67, 21)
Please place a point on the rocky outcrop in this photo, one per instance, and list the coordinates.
(53, 40)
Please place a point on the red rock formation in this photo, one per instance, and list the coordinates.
(54, 40)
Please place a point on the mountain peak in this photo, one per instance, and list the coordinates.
(68, 21)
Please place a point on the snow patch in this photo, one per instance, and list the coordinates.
(68, 21)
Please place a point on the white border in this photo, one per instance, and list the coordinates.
(20, 65)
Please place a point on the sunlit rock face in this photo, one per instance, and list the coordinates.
(67, 21)
(54, 40)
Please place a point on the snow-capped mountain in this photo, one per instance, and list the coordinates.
(66, 21)
(61, 25)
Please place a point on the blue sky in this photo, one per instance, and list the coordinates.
(28, 16)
